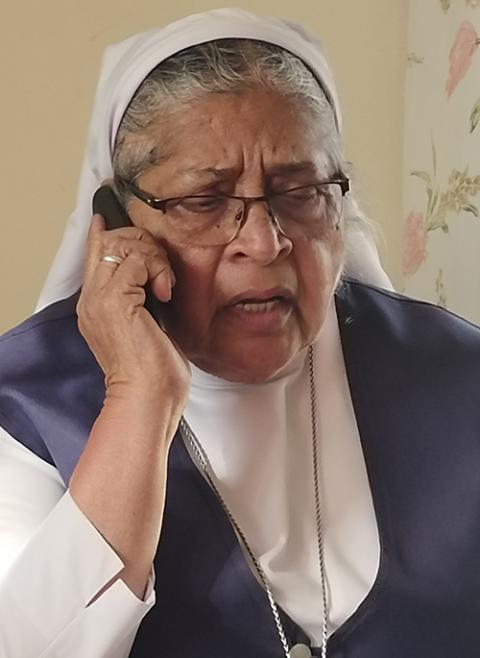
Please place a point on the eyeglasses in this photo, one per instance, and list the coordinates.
(213, 220)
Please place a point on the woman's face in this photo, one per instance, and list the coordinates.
(245, 144)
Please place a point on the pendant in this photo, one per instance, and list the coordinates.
(300, 651)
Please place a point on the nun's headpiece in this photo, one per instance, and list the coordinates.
(125, 65)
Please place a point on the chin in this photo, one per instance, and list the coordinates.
(250, 363)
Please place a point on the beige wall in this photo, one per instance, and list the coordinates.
(49, 60)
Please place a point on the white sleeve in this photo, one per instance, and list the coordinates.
(53, 561)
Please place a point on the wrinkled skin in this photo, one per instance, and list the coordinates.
(251, 135)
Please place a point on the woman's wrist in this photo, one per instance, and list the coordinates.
(153, 405)
(145, 390)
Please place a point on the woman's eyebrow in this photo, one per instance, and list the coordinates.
(284, 168)
(214, 172)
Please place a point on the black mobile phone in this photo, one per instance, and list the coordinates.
(106, 203)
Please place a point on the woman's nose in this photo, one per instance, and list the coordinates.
(260, 237)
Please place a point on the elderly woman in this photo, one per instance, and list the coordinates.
(288, 456)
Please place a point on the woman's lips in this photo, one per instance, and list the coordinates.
(261, 315)
(259, 295)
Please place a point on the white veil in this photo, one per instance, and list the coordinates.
(124, 67)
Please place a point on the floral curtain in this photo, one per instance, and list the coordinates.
(441, 250)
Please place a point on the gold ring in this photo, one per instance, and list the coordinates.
(112, 259)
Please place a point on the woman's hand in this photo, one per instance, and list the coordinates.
(119, 481)
(130, 347)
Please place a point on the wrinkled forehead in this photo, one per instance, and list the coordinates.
(257, 134)
(128, 63)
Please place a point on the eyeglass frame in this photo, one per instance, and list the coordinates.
(160, 204)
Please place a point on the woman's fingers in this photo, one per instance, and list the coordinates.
(138, 269)
(162, 283)
(142, 259)
(97, 225)
(127, 342)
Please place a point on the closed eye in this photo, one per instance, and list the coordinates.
(301, 194)
(204, 203)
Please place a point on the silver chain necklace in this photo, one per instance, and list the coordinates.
(201, 459)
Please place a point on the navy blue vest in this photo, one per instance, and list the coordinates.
(414, 374)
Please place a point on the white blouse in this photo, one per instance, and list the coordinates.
(258, 440)
(52, 563)
(53, 560)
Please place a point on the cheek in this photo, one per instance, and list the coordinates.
(193, 300)
(319, 265)
(189, 314)
(331, 254)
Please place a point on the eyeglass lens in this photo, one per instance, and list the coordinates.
(307, 212)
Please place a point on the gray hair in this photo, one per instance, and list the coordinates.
(221, 66)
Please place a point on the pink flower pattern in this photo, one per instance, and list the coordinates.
(461, 54)
(450, 189)
(415, 243)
